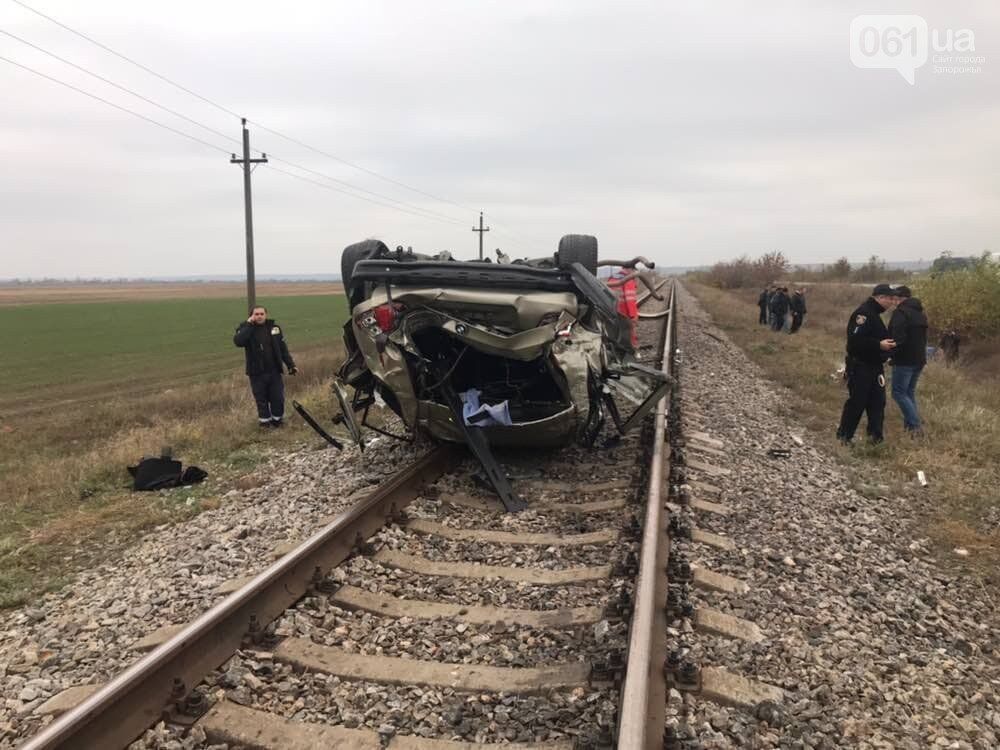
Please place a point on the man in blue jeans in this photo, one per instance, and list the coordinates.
(908, 328)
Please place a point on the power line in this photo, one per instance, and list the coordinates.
(213, 130)
(216, 147)
(410, 206)
(327, 186)
(226, 110)
(372, 172)
(119, 86)
(126, 59)
(118, 106)
(234, 114)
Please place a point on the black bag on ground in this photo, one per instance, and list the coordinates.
(155, 473)
(193, 475)
(162, 472)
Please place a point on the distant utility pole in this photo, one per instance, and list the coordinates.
(480, 229)
(248, 163)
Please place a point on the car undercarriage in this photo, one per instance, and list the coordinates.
(527, 353)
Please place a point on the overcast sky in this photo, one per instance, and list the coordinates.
(688, 132)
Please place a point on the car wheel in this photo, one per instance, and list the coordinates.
(366, 250)
(578, 248)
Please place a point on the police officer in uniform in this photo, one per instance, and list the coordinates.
(267, 354)
(868, 347)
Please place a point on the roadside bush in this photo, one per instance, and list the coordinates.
(743, 272)
(967, 301)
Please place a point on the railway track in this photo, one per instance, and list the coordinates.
(546, 628)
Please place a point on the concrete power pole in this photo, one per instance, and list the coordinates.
(480, 229)
(248, 163)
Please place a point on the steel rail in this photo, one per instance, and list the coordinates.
(643, 698)
(135, 699)
(644, 298)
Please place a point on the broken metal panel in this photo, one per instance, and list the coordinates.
(516, 309)
(480, 446)
(577, 355)
(387, 363)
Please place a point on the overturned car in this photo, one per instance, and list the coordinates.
(508, 353)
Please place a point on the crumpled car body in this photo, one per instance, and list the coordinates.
(525, 348)
(524, 354)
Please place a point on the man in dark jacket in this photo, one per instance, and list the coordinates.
(868, 347)
(779, 309)
(797, 304)
(267, 355)
(762, 304)
(908, 328)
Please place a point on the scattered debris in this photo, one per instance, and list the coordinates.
(162, 472)
(922, 478)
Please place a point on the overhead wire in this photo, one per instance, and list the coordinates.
(410, 207)
(118, 86)
(117, 106)
(228, 111)
(327, 186)
(117, 54)
(360, 168)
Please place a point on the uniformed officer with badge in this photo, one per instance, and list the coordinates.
(868, 347)
(267, 354)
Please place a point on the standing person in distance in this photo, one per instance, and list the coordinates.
(798, 307)
(868, 347)
(762, 301)
(267, 355)
(908, 328)
(779, 309)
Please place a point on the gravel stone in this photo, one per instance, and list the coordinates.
(877, 643)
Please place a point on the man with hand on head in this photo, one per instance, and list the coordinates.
(868, 347)
(267, 355)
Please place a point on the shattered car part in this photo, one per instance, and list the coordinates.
(316, 426)
(542, 343)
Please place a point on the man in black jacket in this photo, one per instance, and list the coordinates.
(779, 308)
(797, 304)
(267, 354)
(908, 328)
(762, 301)
(868, 347)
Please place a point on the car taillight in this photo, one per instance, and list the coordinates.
(385, 317)
(381, 319)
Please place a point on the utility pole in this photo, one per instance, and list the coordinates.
(248, 163)
(481, 229)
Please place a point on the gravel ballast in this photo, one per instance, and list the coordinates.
(83, 633)
(875, 641)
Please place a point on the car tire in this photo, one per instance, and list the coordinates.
(578, 248)
(366, 250)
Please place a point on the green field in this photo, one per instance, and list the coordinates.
(92, 386)
(82, 350)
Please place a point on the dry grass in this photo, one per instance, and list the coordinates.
(961, 409)
(65, 495)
